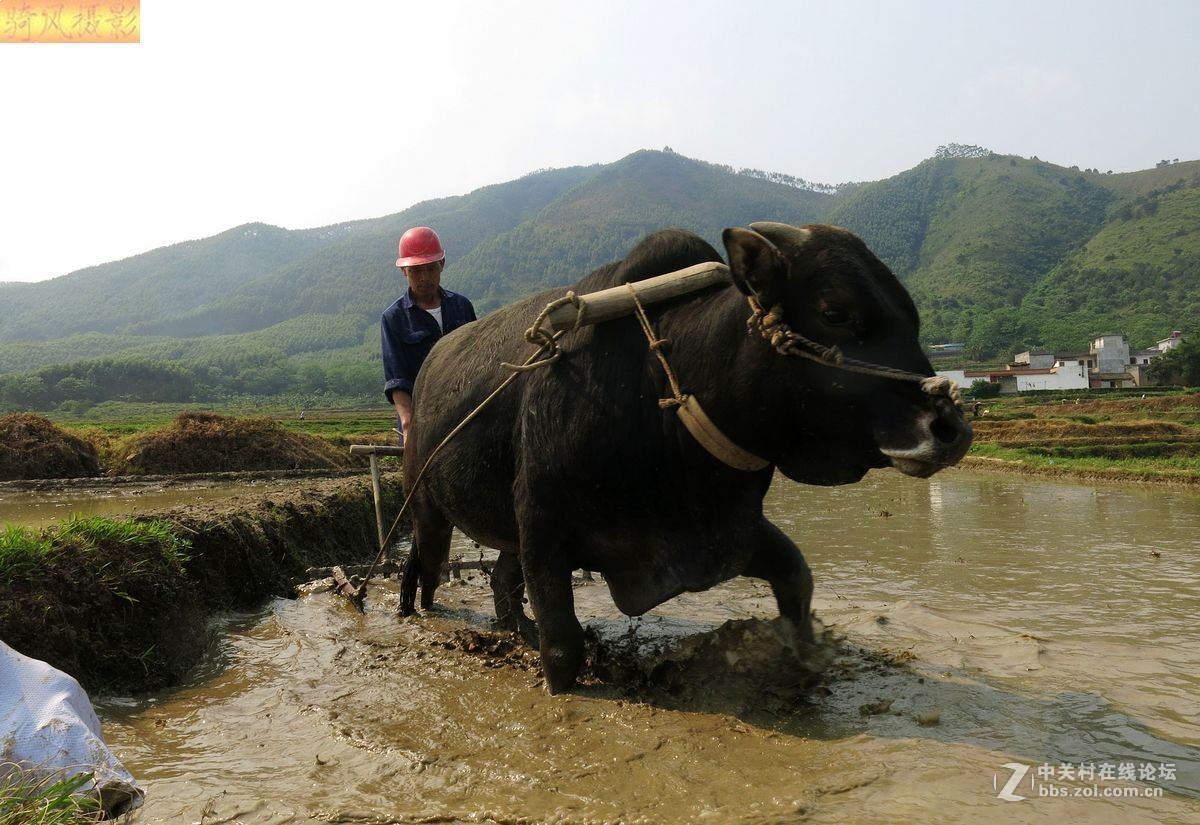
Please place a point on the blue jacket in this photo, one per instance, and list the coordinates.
(408, 333)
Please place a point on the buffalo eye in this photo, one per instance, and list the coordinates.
(835, 314)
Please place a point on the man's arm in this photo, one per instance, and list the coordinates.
(402, 401)
(398, 372)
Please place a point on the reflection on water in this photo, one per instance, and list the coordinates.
(1047, 624)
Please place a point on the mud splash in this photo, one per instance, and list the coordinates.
(752, 664)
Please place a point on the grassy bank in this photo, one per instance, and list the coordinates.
(109, 598)
(122, 604)
(1126, 437)
(26, 801)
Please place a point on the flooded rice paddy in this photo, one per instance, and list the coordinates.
(1007, 650)
(56, 503)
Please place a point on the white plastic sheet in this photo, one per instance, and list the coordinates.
(49, 729)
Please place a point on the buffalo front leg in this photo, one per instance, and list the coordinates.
(777, 559)
(508, 593)
(548, 581)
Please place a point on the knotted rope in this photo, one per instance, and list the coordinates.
(786, 341)
(688, 408)
(545, 338)
(546, 341)
(768, 323)
(656, 345)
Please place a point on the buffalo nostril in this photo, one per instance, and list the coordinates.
(943, 432)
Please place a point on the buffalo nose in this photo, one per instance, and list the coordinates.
(950, 427)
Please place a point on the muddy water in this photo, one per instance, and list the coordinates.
(983, 621)
(37, 508)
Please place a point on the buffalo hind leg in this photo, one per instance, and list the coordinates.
(560, 636)
(777, 559)
(430, 551)
(508, 593)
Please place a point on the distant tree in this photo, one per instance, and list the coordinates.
(23, 392)
(77, 389)
(984, 389)
(961, 150)
(991, 334)
(1178, 366)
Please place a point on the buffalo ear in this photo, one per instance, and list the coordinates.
(756, 264)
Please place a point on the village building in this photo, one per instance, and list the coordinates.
(1169, 343)
(1108, 363)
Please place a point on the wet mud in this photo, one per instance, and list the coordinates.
(121, 617)
(969, 624)
(313, 713)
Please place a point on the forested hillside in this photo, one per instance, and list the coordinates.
(1005, 253)
(1139, 274)
(596, 221)
(1000, 252)
(121, 296)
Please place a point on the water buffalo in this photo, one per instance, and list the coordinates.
(578, 466)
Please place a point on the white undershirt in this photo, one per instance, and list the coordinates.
(437, 316)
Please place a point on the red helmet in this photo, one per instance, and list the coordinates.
(420, 245)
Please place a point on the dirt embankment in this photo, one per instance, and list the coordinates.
(1019, 432)
(33, 447)
(118, 617)
(207, 442)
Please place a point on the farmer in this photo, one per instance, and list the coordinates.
(411, 326)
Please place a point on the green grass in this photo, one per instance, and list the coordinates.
(22, 552)
(1177, 468)
(117, 421)
(25, 801)
(1134, 435)
(1156, 239)
(26, 553)
(106, 600)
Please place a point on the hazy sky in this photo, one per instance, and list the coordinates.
(302, 113)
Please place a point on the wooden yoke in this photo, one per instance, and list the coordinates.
(617, 301)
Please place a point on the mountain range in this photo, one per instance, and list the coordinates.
(1000, 252)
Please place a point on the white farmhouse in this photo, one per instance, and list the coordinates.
(1108, 363)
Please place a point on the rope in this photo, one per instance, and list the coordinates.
(786, 341)
(545, 337)
(656, 344)
(768, 323)
(547, 342)
(690, 413)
